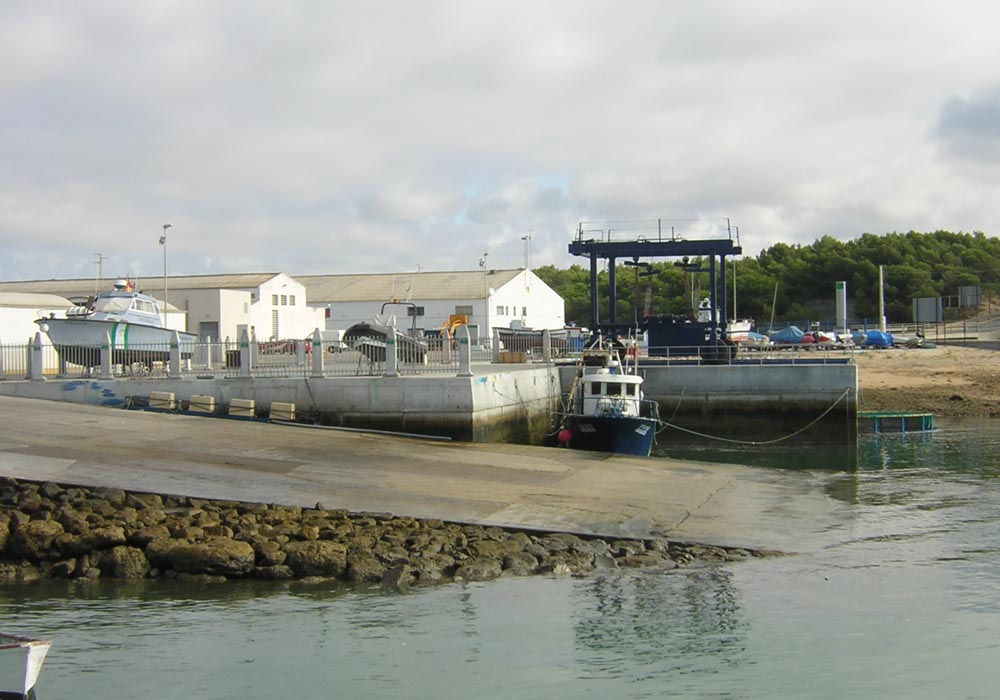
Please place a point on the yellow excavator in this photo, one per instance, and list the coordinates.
(452, 324)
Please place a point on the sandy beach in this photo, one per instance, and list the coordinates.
(945, 380)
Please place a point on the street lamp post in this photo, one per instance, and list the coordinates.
(163, 242)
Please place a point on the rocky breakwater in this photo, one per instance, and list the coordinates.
(59, 531)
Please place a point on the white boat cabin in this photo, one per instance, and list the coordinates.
(121, 305)
(606, 392)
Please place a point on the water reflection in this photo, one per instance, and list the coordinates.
(913, 577)
(657, 622)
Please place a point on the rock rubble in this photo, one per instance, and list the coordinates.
(57, 531)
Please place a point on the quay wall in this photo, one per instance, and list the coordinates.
(509, 406)
(753, 402)
(759, 402)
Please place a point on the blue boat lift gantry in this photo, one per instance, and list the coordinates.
(704, 241)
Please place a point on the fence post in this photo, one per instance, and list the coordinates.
(445, 347)
(254, 348)
(245, 354)
(464, 352)
(37, 359)
(106, 356)
(319, 354)
(3, 374)
(496, 345)
(391, 356)
(208, 353)
(546, 347)
(300, 353)
(175, 355)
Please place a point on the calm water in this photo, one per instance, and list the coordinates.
(907, 604)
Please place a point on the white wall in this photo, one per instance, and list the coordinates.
(202, 305)
(232, 309)
(343, 315)
(295, 318)
(527, 300)
(17, 325)
(526, 292)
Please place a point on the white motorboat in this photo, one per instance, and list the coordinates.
(132, 320)
(20, 663)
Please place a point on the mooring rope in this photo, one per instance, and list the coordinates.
(763, 442)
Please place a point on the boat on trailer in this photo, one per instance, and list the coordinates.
(606, 409)
(21, 661)
(131, 319)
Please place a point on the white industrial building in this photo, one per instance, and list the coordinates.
(272, 305)
(425, 301)
(18, 311)
(277, 306)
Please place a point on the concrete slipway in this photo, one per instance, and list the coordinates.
(498, 484)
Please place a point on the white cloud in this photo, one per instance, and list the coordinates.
(377, 136)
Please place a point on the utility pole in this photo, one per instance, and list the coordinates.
(99, 262)
(163, 242)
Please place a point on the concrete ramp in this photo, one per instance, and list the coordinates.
(508, 485)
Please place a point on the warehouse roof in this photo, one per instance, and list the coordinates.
(404, 285)
(468, 284)
(85, 287)
(25, 300)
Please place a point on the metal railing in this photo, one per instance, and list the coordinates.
(364, 356)
(229, 359)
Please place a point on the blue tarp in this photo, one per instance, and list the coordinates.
(873, 339)
(792, 334)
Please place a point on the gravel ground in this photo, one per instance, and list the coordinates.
(945, 380)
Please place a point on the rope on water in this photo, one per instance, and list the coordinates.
(763, 442)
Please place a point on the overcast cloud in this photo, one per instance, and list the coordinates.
(333, 137)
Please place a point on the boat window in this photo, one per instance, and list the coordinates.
(594, 388)
(614, 389)
(112, 305)
(630, 389)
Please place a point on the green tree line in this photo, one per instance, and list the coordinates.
(797, 282)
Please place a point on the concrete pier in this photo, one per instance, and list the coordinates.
(493, 484)
(807, 401)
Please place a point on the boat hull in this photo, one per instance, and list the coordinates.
(20, 663)
(79, 341)
(627, 435)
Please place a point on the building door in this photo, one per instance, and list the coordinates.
(208, 330)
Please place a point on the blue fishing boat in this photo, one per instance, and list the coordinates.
(606, 410)
(132, 320)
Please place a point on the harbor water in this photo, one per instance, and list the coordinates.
(901, 600)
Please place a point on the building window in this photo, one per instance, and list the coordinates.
(274, 324)
(501, 311)
(284, 300)
(524, 310)
(467, 310)
(414, 311)
(274, 300)
(327, 312)
(291, 300)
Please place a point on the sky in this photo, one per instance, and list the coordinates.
(351, 137)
